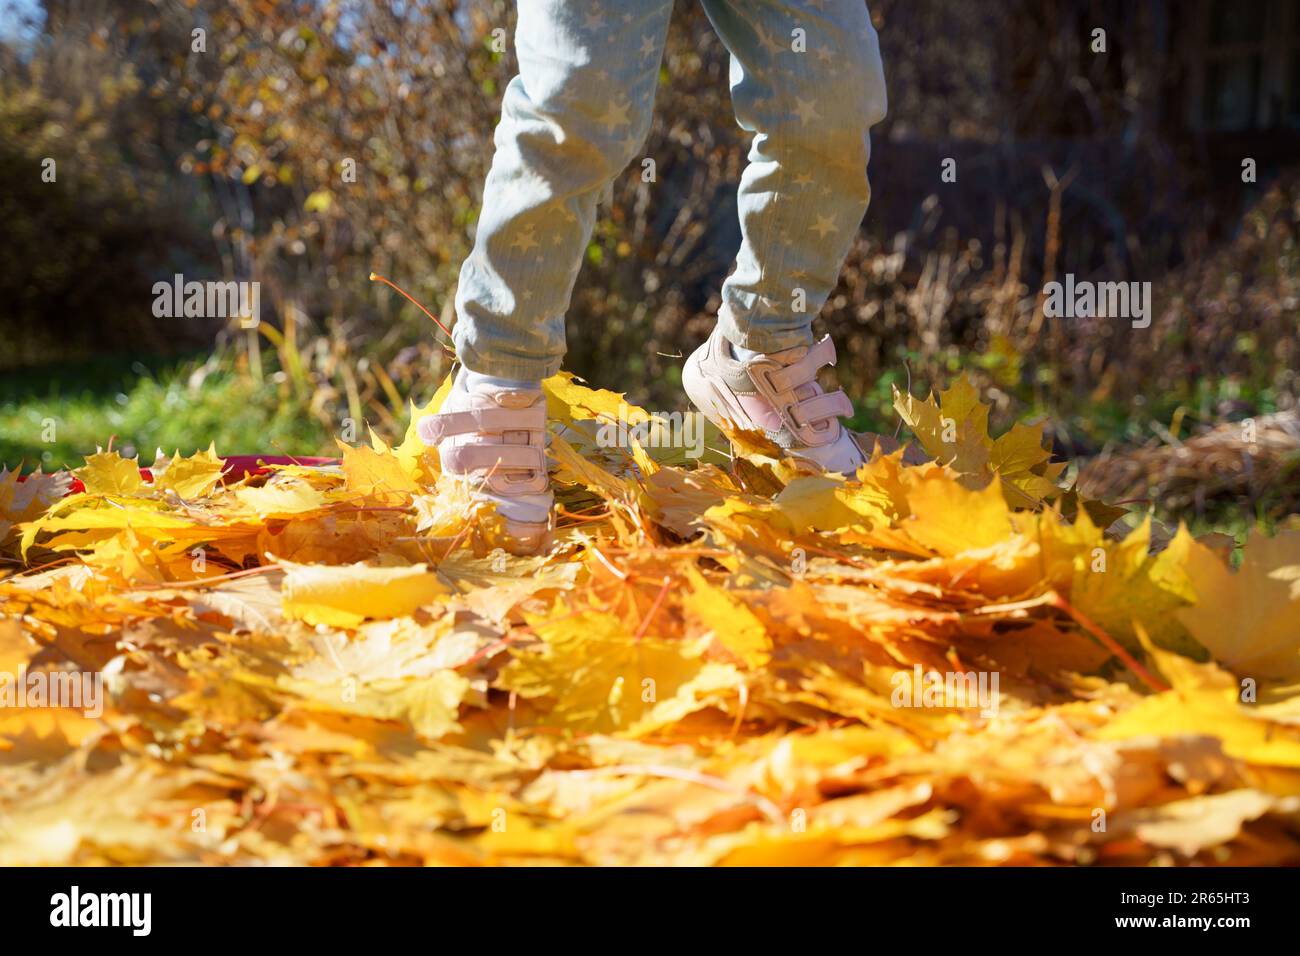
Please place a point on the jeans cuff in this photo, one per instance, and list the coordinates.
(770, 336)
(522, 370)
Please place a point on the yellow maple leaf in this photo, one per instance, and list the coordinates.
(575, 469)
(1200, 822)
(569, 401)
(42, 734)
(377, 475)
(28, 499)
(125, 555)
(1118, 584)
(345, 595)
(1020, 460)
(734, 625)
(1205, 700)
(192, 477)
(72, 514)
(417, 459)
(954, 431)
(429, 704)
(949, 518)
(603, 679)
(817, 502)
(108, 473)
(1250, 619)
(281, 497)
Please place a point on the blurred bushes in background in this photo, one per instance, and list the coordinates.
(236, 161)
(89, 210)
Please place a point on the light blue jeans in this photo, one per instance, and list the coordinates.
(806, 80)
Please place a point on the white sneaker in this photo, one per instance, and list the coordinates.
(495, 440)
(778, 395)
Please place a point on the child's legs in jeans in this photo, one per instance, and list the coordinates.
(572, 119)
(805, 191)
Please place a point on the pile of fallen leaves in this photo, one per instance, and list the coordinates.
(721, 661)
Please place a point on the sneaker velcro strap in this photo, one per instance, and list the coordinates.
(434, 428)
(805, 369)
(821, 407)
(465, 459)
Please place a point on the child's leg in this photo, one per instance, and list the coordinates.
(572, 119)
(805, 191)
(806, 79)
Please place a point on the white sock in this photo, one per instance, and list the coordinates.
(745, 354)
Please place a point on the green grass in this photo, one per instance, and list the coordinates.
(55, 415)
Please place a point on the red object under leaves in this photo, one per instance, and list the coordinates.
(236, 467)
